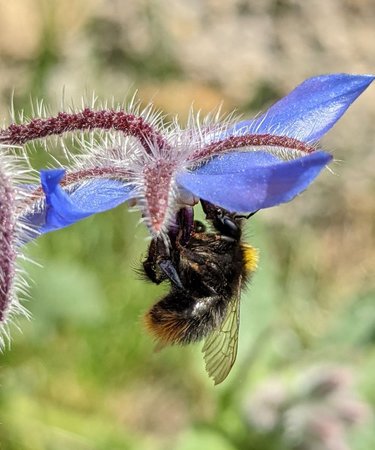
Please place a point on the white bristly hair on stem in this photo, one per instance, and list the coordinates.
(14, 171)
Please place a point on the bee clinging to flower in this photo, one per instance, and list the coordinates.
(206, 271)
(238, 166)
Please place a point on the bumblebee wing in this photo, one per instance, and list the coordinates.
(220, 347)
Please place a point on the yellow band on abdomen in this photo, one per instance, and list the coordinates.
(251, 256)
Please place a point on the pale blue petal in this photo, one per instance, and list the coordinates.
(61, 208)
(310, 110)
(249, 181)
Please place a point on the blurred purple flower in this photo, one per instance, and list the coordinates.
(313, 415)
(266, 404)
(242, 167)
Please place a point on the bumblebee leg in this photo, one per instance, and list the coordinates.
(149, 264)
(170, 271)
(185, 221)
(151, 272)
(157, 252)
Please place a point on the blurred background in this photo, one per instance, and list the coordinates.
(83, 374)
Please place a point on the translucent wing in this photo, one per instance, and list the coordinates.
(220, 347)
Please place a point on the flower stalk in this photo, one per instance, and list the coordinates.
(7, 240)
(86, 120)
(12, 233)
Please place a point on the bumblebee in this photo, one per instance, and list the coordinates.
(206, 271)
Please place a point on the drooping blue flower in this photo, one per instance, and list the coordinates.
(242, 167)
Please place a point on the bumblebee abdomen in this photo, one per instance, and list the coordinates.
(180, 318)
(250, 258)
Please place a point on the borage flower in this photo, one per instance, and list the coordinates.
(242, 166)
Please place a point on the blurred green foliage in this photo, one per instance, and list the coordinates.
(83, 373)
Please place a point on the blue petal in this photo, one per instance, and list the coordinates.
(310, 110)
(62, 209)
(249, 181)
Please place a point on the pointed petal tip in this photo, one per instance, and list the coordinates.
(363, 76)
(359, 79)
(369, 77)
(322, 156)
(310, 109)
(51, 178)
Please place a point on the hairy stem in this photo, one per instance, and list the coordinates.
(251, 140)
(7, 236)
(86, 120)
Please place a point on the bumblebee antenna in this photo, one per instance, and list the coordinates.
(246, 216)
